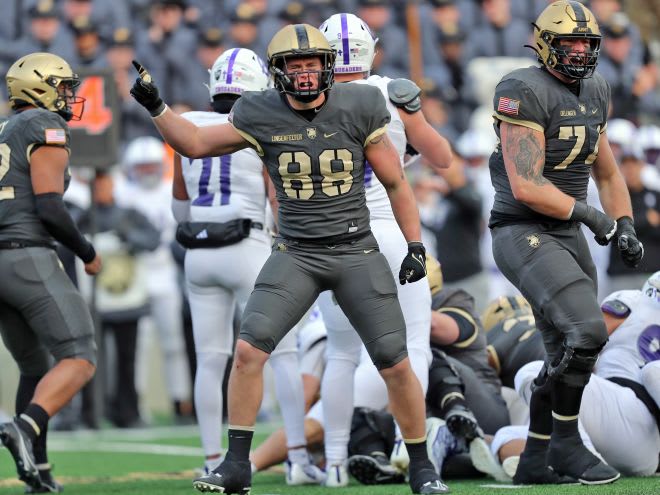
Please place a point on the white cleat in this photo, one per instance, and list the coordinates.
(303, 474)
(399, 457)
(336, 476)
(483, 460)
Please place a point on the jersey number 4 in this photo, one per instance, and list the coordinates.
(295, 168)
(580, 133)
(6, 192)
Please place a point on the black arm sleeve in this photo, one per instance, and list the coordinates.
(58, 222)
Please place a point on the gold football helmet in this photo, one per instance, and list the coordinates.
(566, 19)
(433, 274)
(45, 81)
(502, 308)
(296, 41)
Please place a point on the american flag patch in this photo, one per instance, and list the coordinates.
(507, 105)
(55, 136)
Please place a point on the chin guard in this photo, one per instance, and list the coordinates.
(405, 94)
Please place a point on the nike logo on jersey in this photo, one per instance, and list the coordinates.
(325, 135)
(367, 251)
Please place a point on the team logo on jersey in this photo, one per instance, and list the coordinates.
(583, 108)
(311, 132)
(280, 246)
(534, 240)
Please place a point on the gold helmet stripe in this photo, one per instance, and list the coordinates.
(303, 39)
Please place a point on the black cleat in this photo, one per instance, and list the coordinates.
(374, 469)
(48, 484)
(424, 480)
(462, 423)
(533, 470)
(570, 457)
(229, 477)
(20, 447)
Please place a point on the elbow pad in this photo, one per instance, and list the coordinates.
(405, 94)
(58, 222)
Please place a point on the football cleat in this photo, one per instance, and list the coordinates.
(462, 423)
(20, 448)
(569, 457)
(424, 480)
(229, 477)
(336, 476)
(303, 474)
(48, 484)
(483, 460)
(374, 469)
(440, 443)
(399, 457)
(531, 469)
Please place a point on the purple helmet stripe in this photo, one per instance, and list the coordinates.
(344, 39)
(230, 66)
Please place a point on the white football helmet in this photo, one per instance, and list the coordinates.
(651, 288)
(648, 137)
(621, 131)
(143, 161)
(353, 41)
(237, 70)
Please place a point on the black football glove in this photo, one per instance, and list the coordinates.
(632, 251)
(413, 266)
(145, 91)
(598, 222)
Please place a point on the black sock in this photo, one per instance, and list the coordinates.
(540, 413)
(239, 443)
(566, 401)
(416, 451)
(25, 391)
(33, 421)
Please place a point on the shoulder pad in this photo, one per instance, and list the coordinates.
(404, 94)
(615, 307)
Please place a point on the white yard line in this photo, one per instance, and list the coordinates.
(75, 445)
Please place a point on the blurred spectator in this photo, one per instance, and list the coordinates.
(168, 45)
(293, 13)
(458, 226)
(646, 213)
(134, 120)
(377, 14)
(210, 46)
(435, 109)
(620, 133)
(645, 14)
(121, 292)
(244, 29)
(147, 190)
(604, 10)
(648, 137)
(105, 15)
(90, 52)
(499, 33)
(629, 80)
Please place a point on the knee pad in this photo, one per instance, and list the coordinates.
(388, 350)
(80, 348)
(256, 329)
(592, 334)
(371, 431)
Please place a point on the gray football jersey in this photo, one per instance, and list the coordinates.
(572, 125)
(317, 167)
(20, 135)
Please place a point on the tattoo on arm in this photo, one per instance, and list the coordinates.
(382, 138)
(527, 154)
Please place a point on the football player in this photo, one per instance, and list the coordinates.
(216, 192)
(315, 139)
(551, 122)
(41, 312)
(355, 45)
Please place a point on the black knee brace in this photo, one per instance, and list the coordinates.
(575, 366)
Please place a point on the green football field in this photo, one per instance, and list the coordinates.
(162, 461)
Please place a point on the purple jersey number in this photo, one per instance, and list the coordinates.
(205, 197)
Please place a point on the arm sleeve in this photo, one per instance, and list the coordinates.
(58, 222)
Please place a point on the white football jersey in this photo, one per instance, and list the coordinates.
(377, 199)
(635, 342)
(223, 188)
